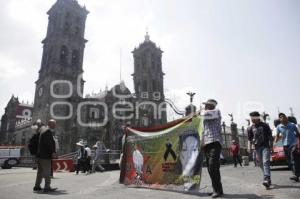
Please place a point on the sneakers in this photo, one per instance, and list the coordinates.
(295, 178)
(217, 195)
(266, 183)
(46, 190)
(37, 188)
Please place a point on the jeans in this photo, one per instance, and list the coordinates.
(288, 155)
(212, 153)
(263, 154)
(254, 157)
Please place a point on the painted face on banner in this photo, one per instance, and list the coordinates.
(189, 154)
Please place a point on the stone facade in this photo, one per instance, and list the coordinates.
(148, 79)
(59, 88)
(16, 116)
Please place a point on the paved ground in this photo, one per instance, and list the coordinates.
(244, 182)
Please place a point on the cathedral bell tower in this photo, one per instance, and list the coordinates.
(59, 86)
(148, 80)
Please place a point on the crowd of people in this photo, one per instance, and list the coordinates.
(260, 141)
(84, 161)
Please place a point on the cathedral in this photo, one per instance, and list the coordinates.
(60, 87)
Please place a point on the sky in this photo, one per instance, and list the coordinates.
(243, 53)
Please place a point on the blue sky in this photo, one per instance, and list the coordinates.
(243, 53)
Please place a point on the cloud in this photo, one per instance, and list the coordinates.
(211, 48)
(9, 70)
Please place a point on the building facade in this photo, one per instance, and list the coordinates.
(59, 88)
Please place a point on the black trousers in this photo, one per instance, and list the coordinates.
(81, 165)
(295, 159)
(212, 153)
(236, 159)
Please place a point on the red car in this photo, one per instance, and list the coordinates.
(278, 157)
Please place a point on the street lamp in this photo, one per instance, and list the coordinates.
(243, 131)
(265, 116)
(191, 94)
(224, 126)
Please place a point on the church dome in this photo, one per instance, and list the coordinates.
(120, 89)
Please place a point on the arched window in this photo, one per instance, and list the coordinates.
(145, 86)
(64, 54)
(75, 58)
(154, 85)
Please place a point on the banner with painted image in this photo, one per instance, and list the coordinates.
(168, 158)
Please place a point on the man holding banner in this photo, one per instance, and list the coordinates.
(211, 142)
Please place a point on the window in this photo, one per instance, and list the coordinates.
(75, 58)
(64, 54)
(56, 89)
(153, 85)
(145, 86)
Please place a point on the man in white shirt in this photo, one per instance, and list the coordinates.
(88, 159)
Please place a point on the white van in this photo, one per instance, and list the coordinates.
(9, 156)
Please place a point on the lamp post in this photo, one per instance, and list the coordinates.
(243, 131)
(191, 94)
(190, 108)
(224, 128)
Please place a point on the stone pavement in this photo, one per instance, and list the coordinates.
(238, 182)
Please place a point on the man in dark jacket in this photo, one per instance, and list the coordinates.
(260, 137)
(46, 151)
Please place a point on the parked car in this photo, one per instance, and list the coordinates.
(9, 156)
(278, 157)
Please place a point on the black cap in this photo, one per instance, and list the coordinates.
(211, 101)
(254, 114)
(281, 115)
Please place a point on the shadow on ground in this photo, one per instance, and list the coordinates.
(58, 192)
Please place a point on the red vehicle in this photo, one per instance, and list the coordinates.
(278, 157)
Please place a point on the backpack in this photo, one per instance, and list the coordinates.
(34, 144)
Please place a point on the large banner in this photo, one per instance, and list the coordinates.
(168, 159)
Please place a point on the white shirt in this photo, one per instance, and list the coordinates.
(88, 151)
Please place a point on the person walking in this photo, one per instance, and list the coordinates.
(212, 145)
(56, 149)
(88, 159)
(235, 150)
(260, 138)
(99, 151)
(34, 140)
(81, 157)
(46, 152)
(291, 144)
